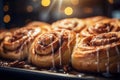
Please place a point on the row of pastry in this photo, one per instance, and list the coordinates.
(89, 44)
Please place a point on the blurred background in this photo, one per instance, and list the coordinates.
(17, 13)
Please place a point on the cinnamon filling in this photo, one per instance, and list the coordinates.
(46, 39)
(1, 40)
(101, 28)
(15, 42)
(104, 39)
(8, 50)
(19, 34)
(47, 44)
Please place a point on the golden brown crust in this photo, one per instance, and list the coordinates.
(92, 20)
(17, 44)
(98, 53)
(52, 49)
(73, 24)
(3, 33)
(103, 26)
(43, 26)
(97, 49)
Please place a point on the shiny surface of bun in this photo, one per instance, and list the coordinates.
(100, 53)
(16, 45)
(104, 26)
(73, 24)
(52, 49)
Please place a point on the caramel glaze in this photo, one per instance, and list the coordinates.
(16, 45)
(50, 49)
(97, 50)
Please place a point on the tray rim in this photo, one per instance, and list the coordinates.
(53, 74)
(47, 73)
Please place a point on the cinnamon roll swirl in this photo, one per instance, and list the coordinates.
(100, 53)
(73, 24)
(3, 34)
(52, 49)
(101, 27)
(16, 45)
(42, 25)
(93, 20)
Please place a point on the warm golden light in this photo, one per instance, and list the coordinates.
(29, 8)
(111, 1)
(6, 18)
(68, 11)
(45, 3)
(75, 2)
(6, 8)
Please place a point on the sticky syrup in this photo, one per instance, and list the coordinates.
(52, 55)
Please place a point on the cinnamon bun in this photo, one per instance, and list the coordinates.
(3, 34)
(100, 53)
(42, 25)
(52, 49)
(104, 26)
(16, 45)
(93, 20)
(73, 24)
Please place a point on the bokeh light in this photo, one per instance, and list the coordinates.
(68, 11)
(6, 18)
(111, 1)
(29, 8)
(45, 3)
(6, 8)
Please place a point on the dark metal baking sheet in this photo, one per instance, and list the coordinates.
(25, 74)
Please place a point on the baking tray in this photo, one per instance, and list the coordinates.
(26, 74)
(22, 70)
